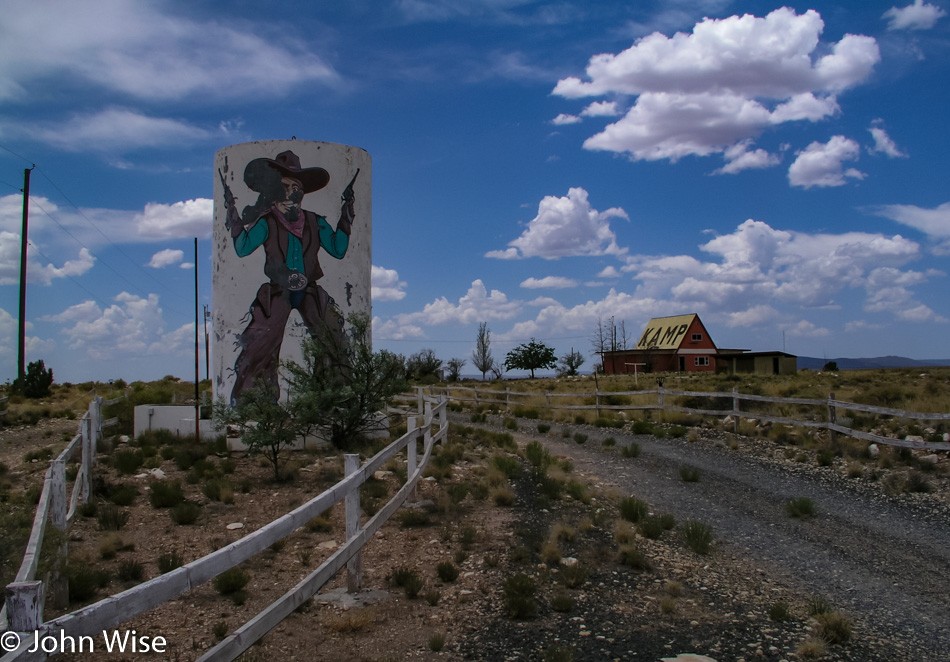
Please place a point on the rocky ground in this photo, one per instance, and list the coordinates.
(880, 560)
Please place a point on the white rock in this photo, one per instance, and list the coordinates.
(874, 451)
(234, 526)
(930, 459)
(381, 475)
(914, 437)
(569, 562)
(329, 544)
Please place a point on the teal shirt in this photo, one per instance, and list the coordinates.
(333, 242)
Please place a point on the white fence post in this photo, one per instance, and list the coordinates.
(735, 409)
(25, 606)
(412, 423)
(354, 567)
(88, 452)
(832, 417)
(59, 504)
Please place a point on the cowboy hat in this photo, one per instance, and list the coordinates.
(259, 175)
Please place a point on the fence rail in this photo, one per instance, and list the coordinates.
(830, 408)
(111, 611)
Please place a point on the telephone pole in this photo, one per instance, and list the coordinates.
(207, 358)
(21, 353)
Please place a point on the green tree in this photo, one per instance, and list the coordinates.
(268, 425)
(530, 356)
(455, 366)
(424, 366)
(569, 363)
(340, 391)
(36, 382)
(481, 357)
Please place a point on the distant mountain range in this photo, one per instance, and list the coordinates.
(813, 363)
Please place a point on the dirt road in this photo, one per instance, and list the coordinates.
(883, 560)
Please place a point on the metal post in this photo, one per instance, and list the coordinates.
(354, 567)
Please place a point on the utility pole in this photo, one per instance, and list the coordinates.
(21, 354)
(197, 400)
(207, 358)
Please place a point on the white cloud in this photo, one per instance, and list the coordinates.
(884, 144)
(806, 329)
(609, 271)
(139, 51)
(820, 164)
(564, 119)
(754, 316)
(393, 330)
(386, 285)
(35, 347)
(723, 83)
(179, 220)
(37, 272)
(111, 130)
(566, 227)
(477, 305)
(548, 282)
(918, 16)
(935, 223)
(167, 257)
(739, 158)
(131, 327)
(601, 109)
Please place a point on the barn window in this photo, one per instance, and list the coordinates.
(696, 337)
(702, 361)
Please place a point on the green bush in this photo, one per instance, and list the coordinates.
(633, 450)
(165, 493)
(123, 495)
(573, 576)
(111, 517)
(580, 437)
(130, 570)
(447, 572)
(230, 581)
(127, 461)
(698, 536)
(506, 465)
(169, 561)
(519, 599)
(537, 454)
(634, 557)
(562, 602)
(633, 509)
(800, 507)
(83, 580)
(185, 513)
(689, 474)
(544, 428)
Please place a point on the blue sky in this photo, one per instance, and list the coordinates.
(780, 170)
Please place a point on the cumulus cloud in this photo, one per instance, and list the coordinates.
(821, 164)
(918, 16)
(178, 220)
(609, 271)
(477, 305)
(566, 227)
(806, 329)
(724, 83)
(35, 347)
(132, 326)
(146, 52)
(165, 258)
(564, 119)
(601, 109)
(739, 157)
(386, 285)
(38, 270)
(935, 223)
(548, 282)
(883, 143)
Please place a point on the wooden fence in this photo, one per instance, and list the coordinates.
(829, 409)
(110, 612)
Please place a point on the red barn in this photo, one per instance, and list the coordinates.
(668, 344)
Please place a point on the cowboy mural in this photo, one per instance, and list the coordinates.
(291, 238)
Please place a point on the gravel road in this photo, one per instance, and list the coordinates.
(883, 560)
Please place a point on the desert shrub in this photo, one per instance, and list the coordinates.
(127, 461)
(519, 599)
(698, 536)
(130, 570)
(537, 454)
(84, 580)
(165, 493)
(217, 489)
(642, 427)
(544, 428)
(632, 450)
(689, 474)
(110, 517)
(414, 518)
(447, 572)
(467, 536)
(432, 596)
(436, 642)
(635, 558)
(550, 486)
(578, 491)
(457, 492)
(559, 653)
(502, 496)
(825, 457)
(169, 561)
(800, 507)
(818, 605)
(834, 627)
(633, 509)
(123, 495)
(510, 423)
(651, 527)
(506, 465)
(609, 442)
(573, 576)
(779, 611)
(580, 437)
(562, 602)
(409, 581)
(230, 581)
(550, 553)
(185, 513)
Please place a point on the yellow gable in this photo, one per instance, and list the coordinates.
(665, 332)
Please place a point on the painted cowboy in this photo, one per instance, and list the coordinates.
(291, 238)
